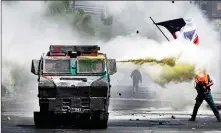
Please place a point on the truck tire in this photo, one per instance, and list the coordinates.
(44, 120)
(98, 123)
(102, 124)
(84, 121)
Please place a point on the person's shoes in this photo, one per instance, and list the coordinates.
(191, 119)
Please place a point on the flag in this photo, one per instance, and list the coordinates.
(218, 5)
(181, 28)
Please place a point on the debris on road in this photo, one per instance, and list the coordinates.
(173, 117)
(119, 94)
(137, 119)
(8, 118)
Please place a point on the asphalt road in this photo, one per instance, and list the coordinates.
(131, 121)
(126, 116)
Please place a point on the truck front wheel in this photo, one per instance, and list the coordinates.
(103, 124)
(99, 120)
(44, 120)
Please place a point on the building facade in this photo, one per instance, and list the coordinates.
(213, 11)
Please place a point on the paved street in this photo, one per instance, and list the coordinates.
(121, 121)
(127, 115)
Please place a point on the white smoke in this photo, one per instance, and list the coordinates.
(135, 16)
(27, 33)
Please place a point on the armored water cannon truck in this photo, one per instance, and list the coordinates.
(73, 86)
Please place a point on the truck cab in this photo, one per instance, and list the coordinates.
(73, 82)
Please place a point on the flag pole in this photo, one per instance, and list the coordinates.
(159, 29)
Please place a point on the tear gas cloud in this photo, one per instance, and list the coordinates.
(144, 46)
(134, 15)
(27, 33)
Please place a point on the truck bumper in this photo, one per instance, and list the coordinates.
(75, 105)
(43, 118)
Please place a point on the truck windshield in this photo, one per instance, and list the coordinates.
(56, 66)
(90, 66)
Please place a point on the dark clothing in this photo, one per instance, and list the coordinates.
(204, 94)
(136, 76)
(209, 99)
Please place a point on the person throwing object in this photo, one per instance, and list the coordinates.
(202, 85)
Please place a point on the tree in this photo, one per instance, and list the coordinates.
(76, 17)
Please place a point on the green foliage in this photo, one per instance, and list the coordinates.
(57, 7)
(62, 10)
(85, 24)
